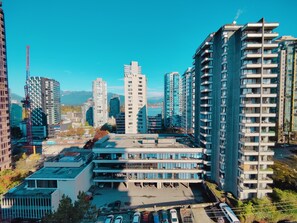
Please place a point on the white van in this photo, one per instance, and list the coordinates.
(118, 219)
(173, 216)
(109, 219)
(136, 217)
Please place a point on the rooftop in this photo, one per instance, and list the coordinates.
(57, 173)
(144, 140)
(22, 190)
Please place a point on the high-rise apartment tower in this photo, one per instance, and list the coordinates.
(235, 99)
(100, 102)
(172, 100)
(287, 91)
(135, 99)
(5, 144)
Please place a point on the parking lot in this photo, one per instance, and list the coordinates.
(135, 197)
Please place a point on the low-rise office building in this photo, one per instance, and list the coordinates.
(147, 158)
(40, 193)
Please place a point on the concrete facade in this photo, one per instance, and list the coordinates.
(287, 93)
(147, 158)
(235, 92)
(100, 112)
(45, 101)
(40, 193)
(187, 101)
(135, 84)
(5, 143)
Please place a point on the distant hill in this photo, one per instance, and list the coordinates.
(79, 97)
(155, 100)
(16, 97)
(75, 97)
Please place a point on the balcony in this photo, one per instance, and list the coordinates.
(270, 45)
(206, 75)
(207, 67)
(254, 45)
(206, 59)
(250, 152)
(206, 52)
(251, 75)
(146, 170)
(251, 66)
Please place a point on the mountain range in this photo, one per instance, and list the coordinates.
(79, 97)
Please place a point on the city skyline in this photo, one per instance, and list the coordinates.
(165, 40)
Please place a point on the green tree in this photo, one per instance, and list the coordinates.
(246, 214)
(265, 210)
(80, 132)
(69, 212)
(287, 203)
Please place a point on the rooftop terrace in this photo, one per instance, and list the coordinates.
(143, 141)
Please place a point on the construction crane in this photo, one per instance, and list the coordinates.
(27, 105)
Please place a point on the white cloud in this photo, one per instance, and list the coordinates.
(155, 94)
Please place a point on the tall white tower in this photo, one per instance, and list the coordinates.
(100, 102)
(135, 99)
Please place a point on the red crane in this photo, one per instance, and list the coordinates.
(27, 105)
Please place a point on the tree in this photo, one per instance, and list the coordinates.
(69, 212)
(266, 210)
(287, 202)
(80, 132)
(246, 215)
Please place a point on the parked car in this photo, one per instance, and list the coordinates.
(173, 216)
(145, 217)
(109, 219)
(156, 217)
(164, 217)
(119, 219)
(136, 217)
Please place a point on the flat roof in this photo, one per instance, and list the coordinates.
(57, 173)
(22, 190)
(145, 141)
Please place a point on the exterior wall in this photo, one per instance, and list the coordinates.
(165, 165)
(100, 102)
(257, 109)
(187, 101)
(172, 100)
(135, 99)
(5, 144)
(81, 183)
(120, 123)
(28, 206)
(235, 92)
(45, 99)
(87, 112)
(84, 180)
(154, 123)
(203, 99)
(52, 105)
(287, 93)
(114, 107)
(16, 114)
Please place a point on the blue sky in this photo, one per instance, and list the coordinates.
(75, 41)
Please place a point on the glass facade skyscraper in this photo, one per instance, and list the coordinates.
(172, 100)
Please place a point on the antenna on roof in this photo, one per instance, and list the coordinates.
(234, 22)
